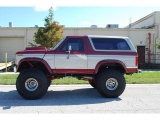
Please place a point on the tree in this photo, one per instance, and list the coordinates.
(50, 34)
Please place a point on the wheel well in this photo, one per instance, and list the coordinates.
(115, 66)
(33, 64)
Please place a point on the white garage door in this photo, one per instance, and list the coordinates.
(11, 46)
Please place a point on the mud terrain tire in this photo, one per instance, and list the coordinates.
(110, 83)
(32, 84)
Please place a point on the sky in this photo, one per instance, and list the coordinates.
(75, 14)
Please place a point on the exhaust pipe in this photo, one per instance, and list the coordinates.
(87, 78)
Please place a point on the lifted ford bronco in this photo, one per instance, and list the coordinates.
(102, 60)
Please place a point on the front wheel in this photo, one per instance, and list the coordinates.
(110, 83)
(32, 84)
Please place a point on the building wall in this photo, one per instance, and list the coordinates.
(153, 20)
(157, 17)
(18, 38)
(146, 22)
(10, 45)
(149, 20)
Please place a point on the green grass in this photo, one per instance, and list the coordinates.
(8, 79)
(143, 78)
(69, 81)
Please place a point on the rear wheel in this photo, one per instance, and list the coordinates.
(92, 83)
(32, 84)
(110, 83)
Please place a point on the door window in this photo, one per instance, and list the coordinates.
(75, 43)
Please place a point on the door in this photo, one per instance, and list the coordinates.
(141, 54)
(73, 60)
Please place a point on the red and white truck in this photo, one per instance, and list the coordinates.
(102, 60)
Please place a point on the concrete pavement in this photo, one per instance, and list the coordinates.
(139, 98)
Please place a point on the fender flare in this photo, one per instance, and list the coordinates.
(34, 59)
(107, 62)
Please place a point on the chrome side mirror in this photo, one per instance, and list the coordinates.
(69, 50)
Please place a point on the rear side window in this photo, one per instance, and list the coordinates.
(110, 44)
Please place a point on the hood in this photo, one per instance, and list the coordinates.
(33, 50)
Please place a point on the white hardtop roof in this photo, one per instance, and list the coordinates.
(101, 36)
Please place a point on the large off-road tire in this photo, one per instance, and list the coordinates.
(49, 83)
(92, 83)
(32, 84)
(110, 83)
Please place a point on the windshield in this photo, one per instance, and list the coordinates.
(59, 43)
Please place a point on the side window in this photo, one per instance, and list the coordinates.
(102, 44)
(75, 43)
(110, 44)
(123, 46)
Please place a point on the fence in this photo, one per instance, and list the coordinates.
(149, 62)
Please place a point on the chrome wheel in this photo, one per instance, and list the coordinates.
(31, 84)
(111, 84)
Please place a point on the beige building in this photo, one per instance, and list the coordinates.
(151, 21)
(14, 39)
